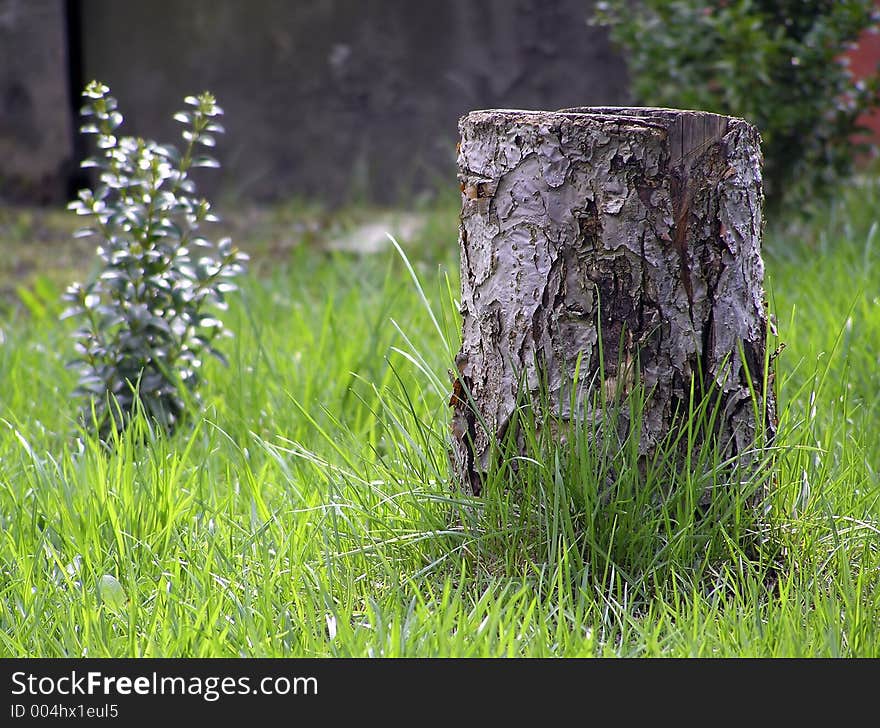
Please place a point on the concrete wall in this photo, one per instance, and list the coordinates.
(342, 99)
(328, 99)
(35, 123)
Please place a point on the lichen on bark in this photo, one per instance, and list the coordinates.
(620, 239)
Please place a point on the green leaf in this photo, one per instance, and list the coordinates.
(111, 593)
(219, 356)
(71, 311)
(95, 90)
(205, 161)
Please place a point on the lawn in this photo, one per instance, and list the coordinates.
(308, 510)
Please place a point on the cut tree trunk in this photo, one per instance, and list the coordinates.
(619, 243)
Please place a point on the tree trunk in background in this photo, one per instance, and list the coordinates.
(633, 230)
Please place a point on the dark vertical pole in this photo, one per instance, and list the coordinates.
(77, 178)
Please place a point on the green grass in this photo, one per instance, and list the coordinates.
(308, 511)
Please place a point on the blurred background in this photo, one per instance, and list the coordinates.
(337, 100)
(340, 105)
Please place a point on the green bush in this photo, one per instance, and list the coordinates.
(776, 63)
(148, 314)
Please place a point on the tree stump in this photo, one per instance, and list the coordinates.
(622, 239)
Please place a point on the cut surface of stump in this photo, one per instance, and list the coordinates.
(619, 243)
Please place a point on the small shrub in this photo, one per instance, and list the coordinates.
(776, 63)
(147, 315)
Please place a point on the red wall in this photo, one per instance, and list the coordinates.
(863, 61)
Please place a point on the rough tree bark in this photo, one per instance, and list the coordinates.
(633, 230)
